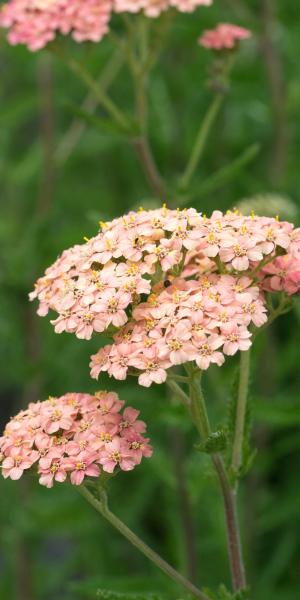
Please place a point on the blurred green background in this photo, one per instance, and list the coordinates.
(58, 177)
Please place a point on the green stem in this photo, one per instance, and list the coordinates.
(201, 420)
(201, 140)
(102, 508)
(241, 407)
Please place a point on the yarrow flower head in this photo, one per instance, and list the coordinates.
(170, 287)
(224, 37)
(73, 437)
(37, 22)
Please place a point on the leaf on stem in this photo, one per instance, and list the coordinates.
(216, 442)
(224, 594)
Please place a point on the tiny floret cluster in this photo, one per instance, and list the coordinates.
(224, 37)
(73, 437)
(35, 23)
(170, 287)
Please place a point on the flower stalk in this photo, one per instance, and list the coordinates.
(201, 420)
(100, 504)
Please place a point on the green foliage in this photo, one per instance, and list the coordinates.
(224, 594)
(216, 442)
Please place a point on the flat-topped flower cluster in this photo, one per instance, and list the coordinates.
(74, 436)
(171, 286)
(37, 22)
(223, 37)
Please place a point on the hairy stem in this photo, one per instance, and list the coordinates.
(102, 508)
(237, 449)
(201, 420)
(232, 524)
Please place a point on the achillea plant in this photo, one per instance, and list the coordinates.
(174, 290)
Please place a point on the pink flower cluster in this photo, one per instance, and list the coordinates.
(75, 436)
(37, 22)
(165, 279)
(224, 37)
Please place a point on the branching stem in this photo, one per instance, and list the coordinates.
(104, 100)
(201, 420)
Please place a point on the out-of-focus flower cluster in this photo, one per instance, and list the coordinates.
(171, 286)
(74, 436)
(224, 37)
(37, 22)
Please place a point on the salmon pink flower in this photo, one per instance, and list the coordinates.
(235, 338)
(207, 352)
(152, 366)
(119, 361)
(282, 274)
(82, 465)
(52, 468)
(57, 417)
(18, 461)
(139, 447)
(112, 308)
(117, 454)
(239, 252)
(130, 423)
